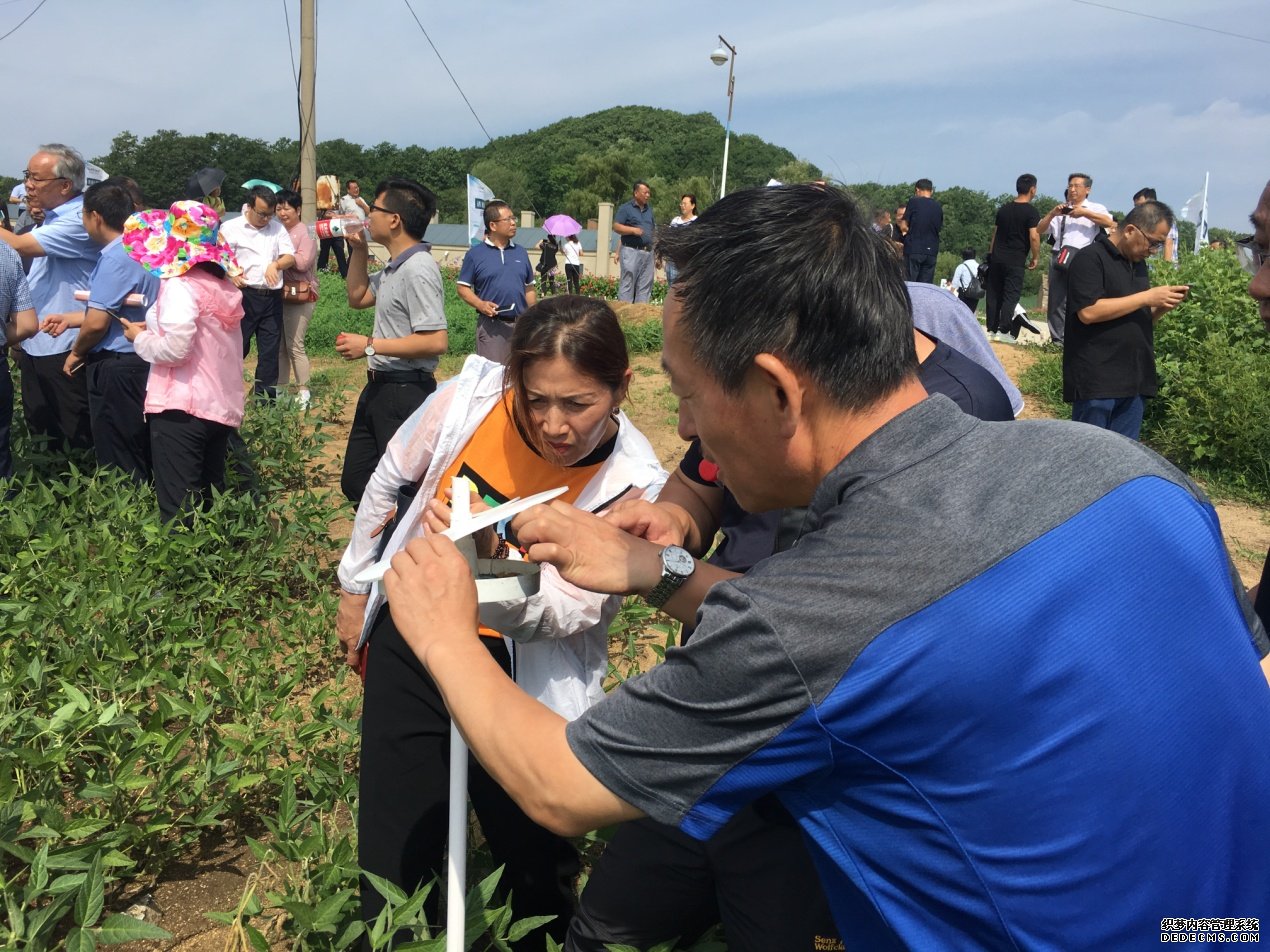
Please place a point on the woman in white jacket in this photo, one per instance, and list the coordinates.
(550, 418)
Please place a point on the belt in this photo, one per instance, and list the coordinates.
(97, 355)
(264, 292)
(646, 248)
(399, 376)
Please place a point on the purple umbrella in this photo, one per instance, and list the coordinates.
(561, 225)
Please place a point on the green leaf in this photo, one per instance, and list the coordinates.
(522, 927)
(390, 891)
(120, 928)
(91, 898)
(80, 939)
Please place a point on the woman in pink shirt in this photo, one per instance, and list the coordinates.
(191, 337)
(299, 295)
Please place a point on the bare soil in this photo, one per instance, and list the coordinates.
(216, 879)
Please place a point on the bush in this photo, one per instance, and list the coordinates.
(1212, 414)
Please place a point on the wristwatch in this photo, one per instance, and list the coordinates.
(677, 565)
(370, 346)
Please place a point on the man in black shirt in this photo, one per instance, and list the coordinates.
(925, 218)
(1014, 241)
(1109, 351)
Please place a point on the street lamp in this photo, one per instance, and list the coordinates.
(718, 58)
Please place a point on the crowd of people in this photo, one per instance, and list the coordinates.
(860, 743)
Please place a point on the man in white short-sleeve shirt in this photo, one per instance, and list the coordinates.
(1073, 223)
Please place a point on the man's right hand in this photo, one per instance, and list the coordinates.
(73, 363)
(348, 623)
(357, 241)
(488, 308)
(1167, 296)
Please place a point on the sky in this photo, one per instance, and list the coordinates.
(964, 93)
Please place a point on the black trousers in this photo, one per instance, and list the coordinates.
(404, 797)
(262, 318)
(189, 461)
(1005, 287)
(920, 268)
(53, 404)
(326, 246)
(6, 417)
(654, 883)
(384, 404)
(116, 411)
(573, 275)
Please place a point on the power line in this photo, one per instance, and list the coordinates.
(1193, 26)
(448, 73)
(24, 19)
(295, 75)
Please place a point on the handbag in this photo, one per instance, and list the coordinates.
(301, 292)
(1063, 260)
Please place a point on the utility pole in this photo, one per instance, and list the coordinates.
(308, 128)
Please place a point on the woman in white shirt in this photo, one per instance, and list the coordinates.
(572, 250)
(687, 215)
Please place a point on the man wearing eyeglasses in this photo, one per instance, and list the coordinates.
(1255, 257)
(410, 332)
(62, 256)
(1109, 351)
(497, 279)
(264, 250)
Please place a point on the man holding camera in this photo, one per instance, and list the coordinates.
(1069, 226)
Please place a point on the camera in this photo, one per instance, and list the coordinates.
(1066, 209)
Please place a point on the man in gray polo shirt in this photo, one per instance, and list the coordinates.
(634, 222)
(409, 333)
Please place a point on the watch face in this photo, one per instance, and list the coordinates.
(370, 351)
(677, 560)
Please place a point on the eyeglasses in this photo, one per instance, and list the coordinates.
(259, 214)
(499, 221)
(29, 176)
(380, 208)
(1153, 244)
(1252, 257)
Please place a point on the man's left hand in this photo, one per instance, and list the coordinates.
(272, 275)
(431, 594)
(588, 551)
(132, 328)
(351, 346)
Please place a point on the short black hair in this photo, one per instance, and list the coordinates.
(288, 197)
(967, 254)
(1025, 183)
(924, 185)
(493, 211)
(406, 198)
(1147, 216)
(1089, 182)
(638, 183)
(111, 200)
(795, 271)
(1145, 193)
(265, 194)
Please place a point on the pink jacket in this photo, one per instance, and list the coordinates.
(193, 340)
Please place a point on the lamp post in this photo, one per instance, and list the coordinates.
(718, 58)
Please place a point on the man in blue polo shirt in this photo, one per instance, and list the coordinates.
(62, 257)
(634, 222)
(1056, 770)
(17, 314)
(497, 279)
(116, 375)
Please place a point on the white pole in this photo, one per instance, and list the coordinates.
(1201, 229)
(456, 894)
(727, 129)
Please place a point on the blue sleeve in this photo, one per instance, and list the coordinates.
(66, 238)
(467, 271)
(529, 271)
(112, 280)
(623, 216)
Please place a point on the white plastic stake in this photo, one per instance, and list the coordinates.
(456, 896)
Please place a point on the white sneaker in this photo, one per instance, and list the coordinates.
(304, 399)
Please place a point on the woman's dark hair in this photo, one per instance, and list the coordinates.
(288, 197)
(582, 330)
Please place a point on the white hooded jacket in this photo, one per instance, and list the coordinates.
(559, 637)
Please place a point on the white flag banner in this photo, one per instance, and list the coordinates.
(1196, 209)
(478, 193)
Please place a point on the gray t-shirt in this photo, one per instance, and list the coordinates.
(409, 298)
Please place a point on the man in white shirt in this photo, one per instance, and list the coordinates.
(1072, 224)
(264, 250)
(352, 203)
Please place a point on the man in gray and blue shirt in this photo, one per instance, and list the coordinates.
(634, 222)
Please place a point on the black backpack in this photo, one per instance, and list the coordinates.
(974, 289)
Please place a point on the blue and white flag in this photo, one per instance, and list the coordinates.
(478, 193)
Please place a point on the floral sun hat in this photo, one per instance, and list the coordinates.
(169, 243)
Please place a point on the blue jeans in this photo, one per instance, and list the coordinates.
(920, 268)
(1121, 415)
